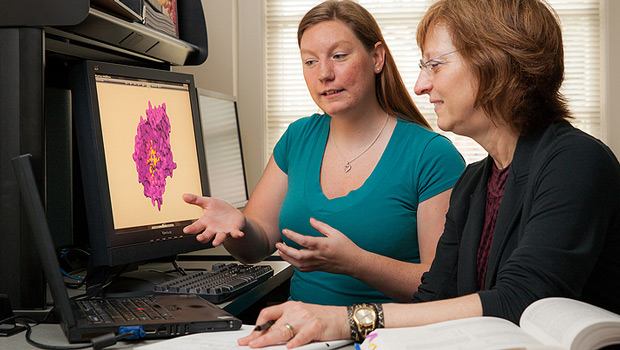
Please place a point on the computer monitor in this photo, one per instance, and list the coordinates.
(140, 149)
(222, 142)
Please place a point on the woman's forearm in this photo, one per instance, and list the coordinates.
(253, 247)
(418, 314)
(261, 229)
(398, 280)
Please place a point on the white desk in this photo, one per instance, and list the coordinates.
(51, 334)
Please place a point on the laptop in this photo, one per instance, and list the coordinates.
(154, 316)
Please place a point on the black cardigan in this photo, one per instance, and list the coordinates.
(557, 230)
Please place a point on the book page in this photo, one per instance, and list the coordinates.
(571, 324)
(227, 340)
(470, 333)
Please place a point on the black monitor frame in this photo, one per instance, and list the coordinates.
(110, 247)
(211, 167)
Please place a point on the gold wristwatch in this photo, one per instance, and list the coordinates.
(363, 319)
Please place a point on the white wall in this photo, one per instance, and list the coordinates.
(250, 94)
(218, 72)
(235, 66)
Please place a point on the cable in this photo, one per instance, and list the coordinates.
(96, 343)
(78, 285)
(7, 319)
(93, 293)
(44, 346)
(181, 270)
(65, 251)
(64, 273)
(32, 319)
(63, 256)
(178, 268)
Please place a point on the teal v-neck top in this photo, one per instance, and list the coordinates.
(379, 217)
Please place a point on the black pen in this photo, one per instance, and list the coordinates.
(264, 326)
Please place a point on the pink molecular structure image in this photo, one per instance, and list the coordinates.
(152, 153)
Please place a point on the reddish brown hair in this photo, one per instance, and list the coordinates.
(515, 49)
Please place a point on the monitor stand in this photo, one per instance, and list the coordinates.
(127, 282)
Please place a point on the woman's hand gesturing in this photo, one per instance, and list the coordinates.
(219, 219)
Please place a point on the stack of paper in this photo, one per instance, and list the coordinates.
(227, 340)
(159, 21)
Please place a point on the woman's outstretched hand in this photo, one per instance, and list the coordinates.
(219, 219)
(297, 323)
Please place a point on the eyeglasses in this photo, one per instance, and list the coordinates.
(431, 64)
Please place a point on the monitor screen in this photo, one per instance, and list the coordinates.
(140, 149)
(222, 142)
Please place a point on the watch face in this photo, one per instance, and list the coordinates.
(365, 316)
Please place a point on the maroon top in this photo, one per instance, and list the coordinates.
(495, 191)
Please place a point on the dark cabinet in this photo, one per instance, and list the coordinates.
(39, 41)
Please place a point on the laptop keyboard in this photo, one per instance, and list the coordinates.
(123, 309)
(221, 283)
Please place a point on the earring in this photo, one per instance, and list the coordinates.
(378, 69)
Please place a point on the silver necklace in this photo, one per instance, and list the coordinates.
(347, 165)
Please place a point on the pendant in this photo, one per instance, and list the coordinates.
(347, 167)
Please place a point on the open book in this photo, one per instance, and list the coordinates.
(551, 323)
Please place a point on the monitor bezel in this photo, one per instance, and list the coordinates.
(109, 246)
(230, 98)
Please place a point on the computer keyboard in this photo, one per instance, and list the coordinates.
(221, 283)
(126, 309)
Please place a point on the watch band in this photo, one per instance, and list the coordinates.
(364, 332)
(380, 320)
(356, 331)
(352, 326)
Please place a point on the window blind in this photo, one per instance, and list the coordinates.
(287, 98)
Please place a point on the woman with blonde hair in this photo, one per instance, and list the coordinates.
(354, 198)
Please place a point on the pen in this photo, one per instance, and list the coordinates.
(264, 326)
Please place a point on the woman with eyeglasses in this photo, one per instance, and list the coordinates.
(539, 217)
(354, 198)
